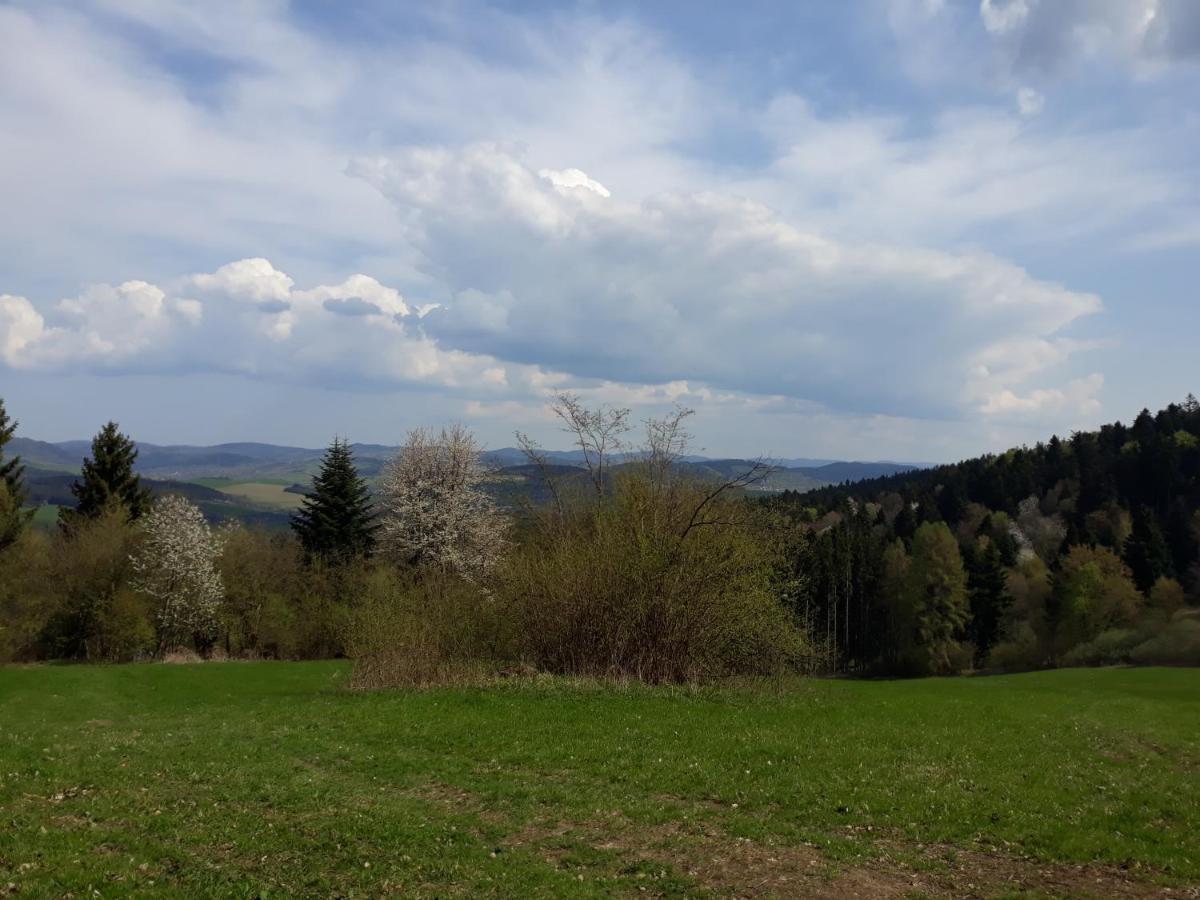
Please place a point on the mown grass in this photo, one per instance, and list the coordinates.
(258, 779)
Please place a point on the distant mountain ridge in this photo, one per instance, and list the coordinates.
(251, 460)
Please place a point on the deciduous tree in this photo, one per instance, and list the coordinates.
(176, 566)
(434, 511)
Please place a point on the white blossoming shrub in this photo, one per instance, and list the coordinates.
(176, 566)
(434, 512)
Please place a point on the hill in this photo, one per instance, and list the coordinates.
(50, 488)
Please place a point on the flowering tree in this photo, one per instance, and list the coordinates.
(434, 511)
(175, 565)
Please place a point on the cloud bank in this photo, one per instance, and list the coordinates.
(543, 278)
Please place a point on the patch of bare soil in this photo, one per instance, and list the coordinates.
(739, 867)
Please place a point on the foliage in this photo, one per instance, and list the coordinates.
(98, 615)
(27, 598)
(175, 566)
(336, 521)
(434, 512)
(654, 577)
(933, 610)
(410, 631)
(1093, 592)
(108, 480)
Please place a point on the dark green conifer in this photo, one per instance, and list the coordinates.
(13, 516)
(989, 597)
(108, 480)
(1146, 551)
(336, 521)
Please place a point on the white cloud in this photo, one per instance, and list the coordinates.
(666, 222)
(1029, 101)
(712, 289)
(20, 326)
(1000, 16)
(245, 318)
(1077, 398)
(1046, 35)
(568, 179)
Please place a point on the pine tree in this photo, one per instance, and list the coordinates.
(989, 598)
(12, 487)
(336, 520)
(108, 480)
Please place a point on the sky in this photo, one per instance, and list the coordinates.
(890, 229)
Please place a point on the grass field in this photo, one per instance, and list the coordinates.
(263, 493)
(270, 779)
(45, 516)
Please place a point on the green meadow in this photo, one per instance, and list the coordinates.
(273, 779)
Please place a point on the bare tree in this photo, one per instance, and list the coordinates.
(599, 433)
(433, 509)
(176, 565)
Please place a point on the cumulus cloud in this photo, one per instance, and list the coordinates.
(574, 178)
(713, 289)
(248, 318)
(1077, 398)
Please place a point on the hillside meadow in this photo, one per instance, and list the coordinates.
(271, 779)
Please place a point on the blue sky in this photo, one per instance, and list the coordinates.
(889, 229)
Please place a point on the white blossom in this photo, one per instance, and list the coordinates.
(176, 566)
(434, 511)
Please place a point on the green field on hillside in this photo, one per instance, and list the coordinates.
(271, 779)
(264, 493)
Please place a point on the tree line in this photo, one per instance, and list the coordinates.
(1073, 552)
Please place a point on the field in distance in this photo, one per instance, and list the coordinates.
(244, 779)
(269, 494)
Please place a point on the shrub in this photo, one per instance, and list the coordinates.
(410, 631)
(100, 617)
(262, 572)
(1109, 648)
(1021, 651)
(1178, 644)
(658, 580)
(28, 595)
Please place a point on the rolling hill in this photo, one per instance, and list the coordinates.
(258, 483)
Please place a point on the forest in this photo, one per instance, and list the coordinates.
(1077, 551)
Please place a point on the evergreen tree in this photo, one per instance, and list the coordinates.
(12, 486)
(989, 598)
(335, 522)
(107, 480)
(1146, 552)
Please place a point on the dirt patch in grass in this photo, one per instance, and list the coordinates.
(739, 867)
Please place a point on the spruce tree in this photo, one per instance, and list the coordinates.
(12, 487)
(335, 522)
(1146, 551)
(988, 589)
(108, 480)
